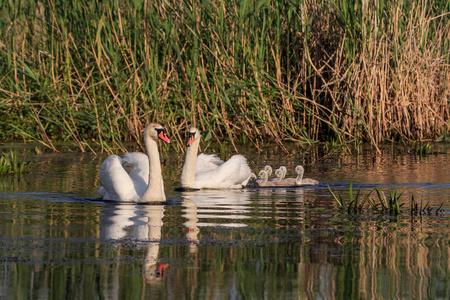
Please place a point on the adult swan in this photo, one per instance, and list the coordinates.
(210, 172)
(143, 182)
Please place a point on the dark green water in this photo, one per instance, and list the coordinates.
(59, 242)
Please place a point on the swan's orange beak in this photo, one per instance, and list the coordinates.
(191, 138)
(162, 134)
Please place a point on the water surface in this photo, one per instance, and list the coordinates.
(60, 241)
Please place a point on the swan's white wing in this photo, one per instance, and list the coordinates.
(136, 164)
(117, 184)
(207, 162)
(231, 174)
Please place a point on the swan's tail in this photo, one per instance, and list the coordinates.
(243, 171)
(250, 181)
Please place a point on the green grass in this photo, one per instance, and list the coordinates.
(423, 149)
(95, 73)
(10, 164)
(381, 203)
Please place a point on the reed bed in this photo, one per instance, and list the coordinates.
(245, 71)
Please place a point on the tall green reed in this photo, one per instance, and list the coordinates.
(11, 164)
(380, 204)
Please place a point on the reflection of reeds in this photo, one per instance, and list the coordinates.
(388, 259)
(418, 209)
(244, 71)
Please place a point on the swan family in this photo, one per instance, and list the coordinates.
(137, 177)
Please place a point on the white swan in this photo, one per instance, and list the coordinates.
(143, 182)
(208, 171)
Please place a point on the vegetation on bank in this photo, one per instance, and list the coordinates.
(247, 71)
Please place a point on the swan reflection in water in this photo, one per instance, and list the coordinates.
(218, 208)
(136, 223)
(232, 208)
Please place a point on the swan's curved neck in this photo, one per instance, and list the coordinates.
(188, 172)
(154, 192)
(299, 178)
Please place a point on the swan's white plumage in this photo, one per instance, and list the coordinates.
(137, 163)
(117, 183)
(230, 174)
(207, 162)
